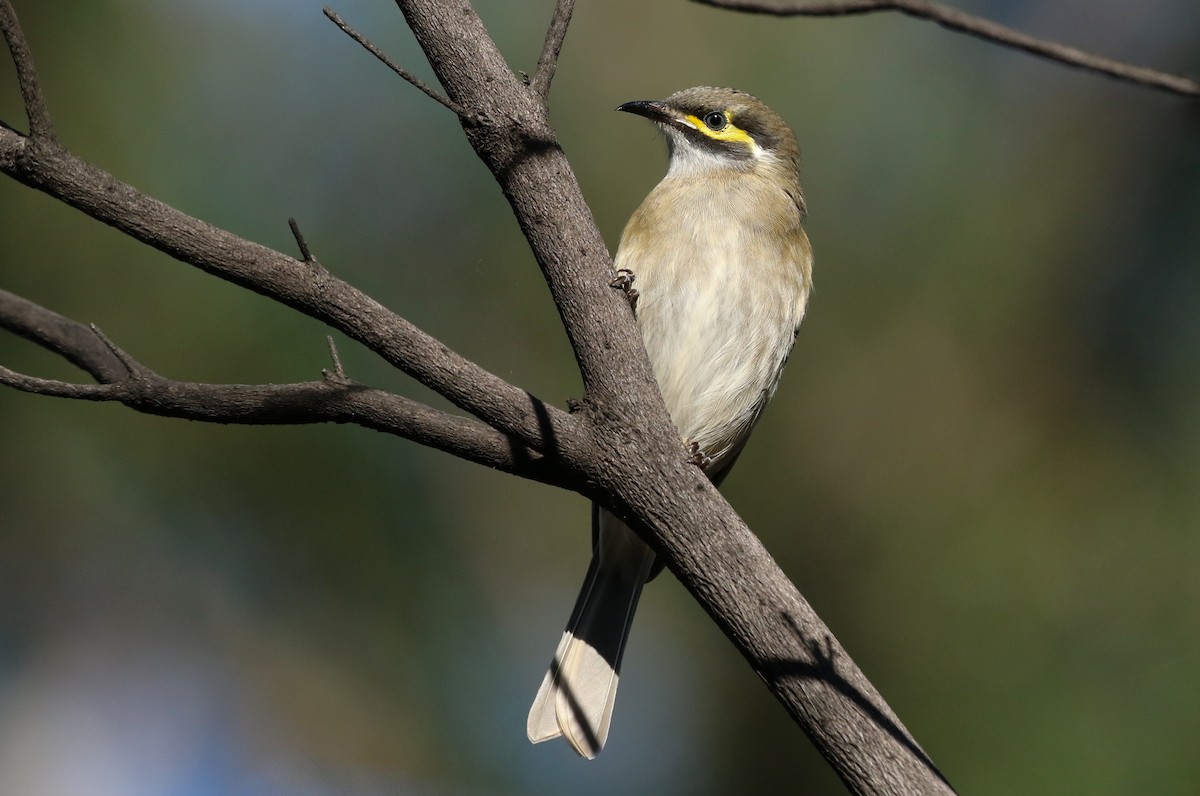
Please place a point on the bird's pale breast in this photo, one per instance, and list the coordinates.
(722, 293)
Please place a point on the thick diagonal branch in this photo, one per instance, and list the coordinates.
(640, 471)
(512, 135)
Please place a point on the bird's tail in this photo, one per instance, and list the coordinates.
(576, 697)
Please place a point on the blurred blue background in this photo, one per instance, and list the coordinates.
(982, 467)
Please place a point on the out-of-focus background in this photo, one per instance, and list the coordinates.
(982, 467)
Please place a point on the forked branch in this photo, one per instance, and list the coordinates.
(548, 62)
(333, 399)
(305, 286)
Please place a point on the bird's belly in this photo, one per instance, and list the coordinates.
(717, 334)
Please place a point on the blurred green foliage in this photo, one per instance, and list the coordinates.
(983, 466)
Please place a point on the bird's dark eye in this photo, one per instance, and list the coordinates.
(715, 121)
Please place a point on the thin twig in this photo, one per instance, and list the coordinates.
(40, 126)
(136, 369)
(53, 387)
(979, 27)
(370, 47)
(338, 371)
(552, 46)
(301, 243)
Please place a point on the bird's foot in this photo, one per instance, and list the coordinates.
(624, 283)
(697, 456)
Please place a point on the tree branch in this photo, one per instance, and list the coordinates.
(334, 399)
(40, 125)
(555, 34)
(305, 286)
(515, 141)
(979, 27)
(412, 79)
(73, 341)
(618, 448)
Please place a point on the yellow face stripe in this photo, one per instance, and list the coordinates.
(730, 132)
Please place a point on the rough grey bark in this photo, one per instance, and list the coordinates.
(617, 446)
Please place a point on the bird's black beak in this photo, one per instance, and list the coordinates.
(648, 108)
(655, 111)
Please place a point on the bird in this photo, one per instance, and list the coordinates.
(723, 270)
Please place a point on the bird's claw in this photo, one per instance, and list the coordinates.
(697, 456)
(624, 280)
(624, 283)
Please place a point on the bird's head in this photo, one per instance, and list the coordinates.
(721, 129)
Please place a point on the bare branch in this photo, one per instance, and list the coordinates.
(370, 47)
(40, 126)
(335, 399)
(305, 286)
(71, 340)
(515, 140)
(555, 34)
(979, 27)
